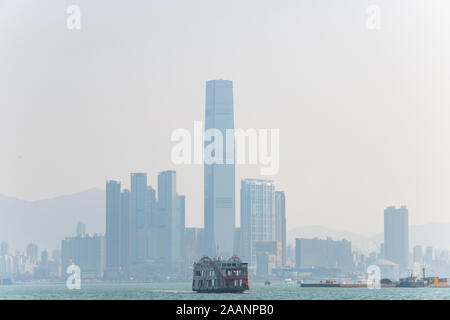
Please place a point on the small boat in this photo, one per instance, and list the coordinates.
(268, 283)
(289, 281)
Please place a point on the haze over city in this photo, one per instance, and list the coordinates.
(257, 152)
(362, 114)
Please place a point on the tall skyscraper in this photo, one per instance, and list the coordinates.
(396, 236)
(219, 178)
(181, 227)
(81, 228)
(257, 215)
(150, 222)
(113, 224)
(137, 219)
(125, 216)
(170, 213)
(280, 223)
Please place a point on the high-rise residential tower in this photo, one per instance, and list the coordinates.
(112, 224)
(280, 223)
(170, 215)
(125, 216)
(81, 228)
(257, 216)
(181, 223)
(219, 176)
(137, 230)
(396, 236)
(150, 222)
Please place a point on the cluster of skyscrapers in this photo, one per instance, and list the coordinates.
(146, 231)
(145, 227)
(393, 257)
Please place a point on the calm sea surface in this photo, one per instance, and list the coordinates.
(175, 291)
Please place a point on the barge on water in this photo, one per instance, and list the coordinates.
(415, 282)
(220, 276)
(326, 284)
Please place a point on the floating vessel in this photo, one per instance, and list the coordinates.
(408, 282)
(326, 284)
(217, 275)
(436, 282)
(432, 282)
(412, 282)
(335, 284)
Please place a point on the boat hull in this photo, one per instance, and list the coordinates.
(221, 290)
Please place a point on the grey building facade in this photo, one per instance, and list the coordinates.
(396, 247)
(112, 224)
(280, 222)
(257, 216)
(137, 231)
(219, 178)
(170, 218)
(87, 252)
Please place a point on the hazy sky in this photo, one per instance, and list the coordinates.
(364, 116)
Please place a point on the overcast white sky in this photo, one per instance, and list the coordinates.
(363, 115)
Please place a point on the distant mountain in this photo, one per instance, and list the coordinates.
(436, 235)
(47, 222)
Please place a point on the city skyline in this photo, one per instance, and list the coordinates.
(146, 237)
(288, 67)
(92, 253)
(136, 232)
(155, 233)
(261, 153)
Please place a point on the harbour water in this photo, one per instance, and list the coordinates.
(182, 291)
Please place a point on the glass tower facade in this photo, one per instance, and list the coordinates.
(257, 216)
(219, 177)
(137, 218)
(112, 224)
(396, 237)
